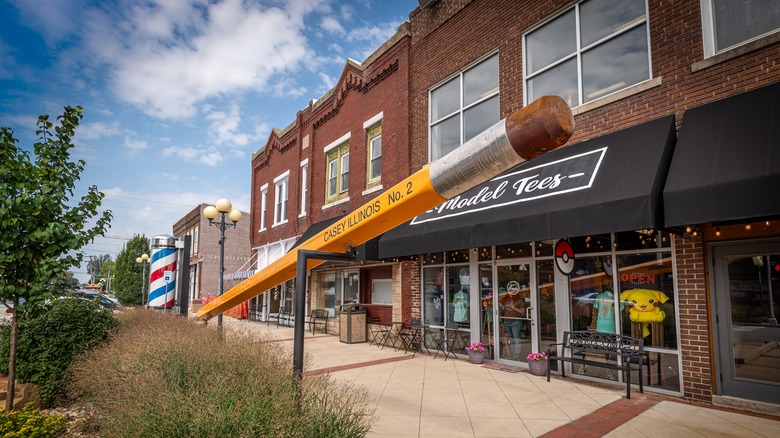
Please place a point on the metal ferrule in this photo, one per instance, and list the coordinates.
(483, 157)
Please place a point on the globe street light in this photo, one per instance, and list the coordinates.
(143, 260)
(221, 208)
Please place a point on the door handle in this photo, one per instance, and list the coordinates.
(528, 312)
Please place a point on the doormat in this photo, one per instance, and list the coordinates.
(501, 367)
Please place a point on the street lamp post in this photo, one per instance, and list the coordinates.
(143, 260)
(221, 208)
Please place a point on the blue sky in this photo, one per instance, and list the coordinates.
(177, 94)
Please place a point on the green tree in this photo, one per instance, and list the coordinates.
(95, 265)
(127, 282)
(43, 226)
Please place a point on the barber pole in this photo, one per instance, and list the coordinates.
(162, 293)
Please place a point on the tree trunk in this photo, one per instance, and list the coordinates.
(9, 399)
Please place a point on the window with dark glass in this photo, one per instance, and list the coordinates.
(610, 53)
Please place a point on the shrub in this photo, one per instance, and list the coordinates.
(166, 376)
(30, 423)
(49, 337)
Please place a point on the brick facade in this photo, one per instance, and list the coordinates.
(451, 35)
(363, 91)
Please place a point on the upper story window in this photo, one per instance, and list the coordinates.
(337, 170)
(373, 128)
(463, 107)
(728, 23)
(304, 185)
(609, 53)
(195, 241)
(263, 206)
(280, 203)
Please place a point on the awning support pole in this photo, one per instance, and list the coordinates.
(300, 299)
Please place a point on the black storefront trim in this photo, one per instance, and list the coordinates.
(608, 184)
(726, 165)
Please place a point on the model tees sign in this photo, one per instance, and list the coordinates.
(533, 130)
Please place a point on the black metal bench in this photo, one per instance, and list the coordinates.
(318, 317)
(577, 346)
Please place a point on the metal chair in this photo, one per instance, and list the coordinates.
(378, 331)
(412, 337)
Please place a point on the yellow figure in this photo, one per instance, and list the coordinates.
(644, 306)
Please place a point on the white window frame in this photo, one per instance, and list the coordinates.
(304, 185)
(578, 55)
(708, 33)
(281, 197)
(195, 240)
(341, 192)
(369, 125)
(461, 109)
(263, 206)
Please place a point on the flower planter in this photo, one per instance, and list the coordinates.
(537, 367)
(476, 356)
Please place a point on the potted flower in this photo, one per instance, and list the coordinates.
(476, 352)
(537, 364)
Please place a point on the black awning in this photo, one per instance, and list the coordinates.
(367, 251)
(726, 165)
(611, 183)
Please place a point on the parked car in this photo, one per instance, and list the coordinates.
(89, 294)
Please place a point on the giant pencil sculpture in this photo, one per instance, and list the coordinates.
(533, 130)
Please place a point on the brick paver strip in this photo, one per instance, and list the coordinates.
(607, 418)
(356, 365)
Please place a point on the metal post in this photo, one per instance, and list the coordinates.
(221, 263)
(144, 299)
(300, 299)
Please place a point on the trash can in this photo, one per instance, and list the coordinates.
(352, 321)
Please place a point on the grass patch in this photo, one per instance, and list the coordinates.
(166, 376)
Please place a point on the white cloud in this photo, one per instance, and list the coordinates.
(187, 153)
(223, 127)
(170, 56)
(89, 131)
(331, 25)
(134, 146)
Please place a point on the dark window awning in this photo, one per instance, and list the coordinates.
(611, 183)
(367, 251)
(726, 164)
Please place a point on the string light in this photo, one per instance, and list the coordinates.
(717, 231)
(747, 227)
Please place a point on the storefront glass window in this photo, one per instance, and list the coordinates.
(288, 290)
(485, 253)
(642, 239)
(593, 294)
(591, 244)
(433, 258)
(328, 293)
(513, 251)
(458, 256)
(486, 306)
(545, 248)
(433, 296)
(647, 295)
(458, 295)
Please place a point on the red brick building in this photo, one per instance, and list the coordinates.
(665, 196)
(340, 151)
(671, 186)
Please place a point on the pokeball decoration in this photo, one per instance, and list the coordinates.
(564, 256)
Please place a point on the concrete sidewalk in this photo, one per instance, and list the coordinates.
(427, 397)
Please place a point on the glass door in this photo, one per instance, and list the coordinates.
(513, 306)
(746, 294)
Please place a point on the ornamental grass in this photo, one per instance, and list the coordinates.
(166, 376)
